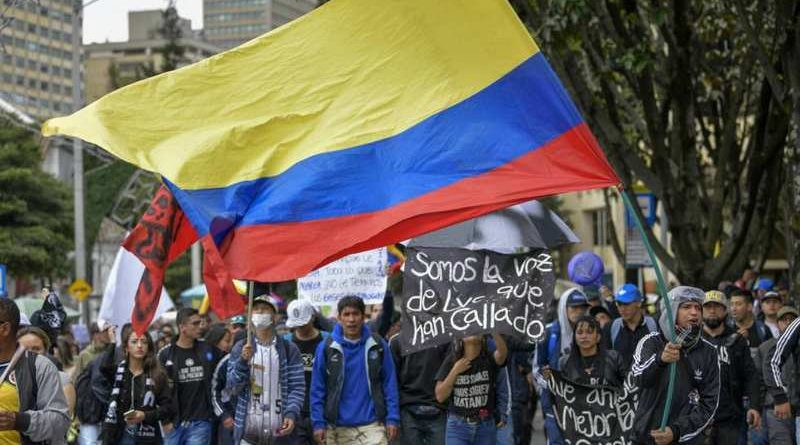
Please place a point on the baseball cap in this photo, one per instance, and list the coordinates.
(628, 293)
(265, 298)
(299, 312)
(787, 310)
(239, 319)
(715, 296)
(577, 298)
(771, 294)
(764, 284)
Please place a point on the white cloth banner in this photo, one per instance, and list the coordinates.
(361, 274)
(119, 295)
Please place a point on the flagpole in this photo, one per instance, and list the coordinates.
(250, 290)
(662, 290)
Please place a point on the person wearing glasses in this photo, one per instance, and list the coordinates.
(32, 403)
(140, 398)
(189, 364)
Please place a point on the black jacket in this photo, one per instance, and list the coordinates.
(738, 377)
(131, 396)
(695, 395)
(611, 369)
(416, 373)
(787, 348)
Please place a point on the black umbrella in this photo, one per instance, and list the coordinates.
(529, 225)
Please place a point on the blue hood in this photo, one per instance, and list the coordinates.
(338, 335)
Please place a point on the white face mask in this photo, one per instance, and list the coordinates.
(262, 321)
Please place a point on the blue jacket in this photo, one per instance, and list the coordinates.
(292, 379)
(357, 407)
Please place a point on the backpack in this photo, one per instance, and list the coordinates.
(616, 325)
(88, 408)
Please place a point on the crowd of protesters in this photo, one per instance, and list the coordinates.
(301, 378)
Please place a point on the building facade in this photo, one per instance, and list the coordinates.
(112, 64)
(229, 23)
(36, 69)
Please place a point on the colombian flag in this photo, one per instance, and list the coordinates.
(364, 123)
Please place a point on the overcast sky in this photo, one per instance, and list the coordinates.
(107, 20)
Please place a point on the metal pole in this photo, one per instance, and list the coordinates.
(77, 156)
(196, 265)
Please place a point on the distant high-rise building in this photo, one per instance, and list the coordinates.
(36, 68)
(110, 64)
(229, 23)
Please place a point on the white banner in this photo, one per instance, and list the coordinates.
(120, 292)
(362, 274)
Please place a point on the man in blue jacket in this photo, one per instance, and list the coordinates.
(354, 397)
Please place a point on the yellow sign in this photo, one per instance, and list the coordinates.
(80, 289)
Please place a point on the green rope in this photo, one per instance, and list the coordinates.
(662, 290)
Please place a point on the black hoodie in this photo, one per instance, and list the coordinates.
(738, 377)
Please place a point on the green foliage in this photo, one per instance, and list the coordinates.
(103, 185)
(35, 210)
(691, 100)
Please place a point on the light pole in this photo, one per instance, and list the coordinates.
(77, 152)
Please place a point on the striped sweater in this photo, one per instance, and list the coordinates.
(292, 381)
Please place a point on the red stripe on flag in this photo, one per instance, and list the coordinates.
(161, 235)
(280, 252)
(222, 294)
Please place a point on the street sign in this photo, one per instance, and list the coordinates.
(635, 251)
(80, 289)
(3, 288)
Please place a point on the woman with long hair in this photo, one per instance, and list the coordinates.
(589, 362)
(141, 398)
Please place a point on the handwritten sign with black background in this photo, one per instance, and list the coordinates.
(592, 415)
(454, 293)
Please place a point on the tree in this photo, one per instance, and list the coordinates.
(173, 53)
(689, 100)
(35, 209)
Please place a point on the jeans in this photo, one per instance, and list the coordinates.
(505, 434)
(551, 429)
(780, 432)
(461, 432)
(196, 432)
(421, 431)
(126, 439)
(89, 434)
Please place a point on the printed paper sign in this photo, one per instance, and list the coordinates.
(454, 293)
(362, 274)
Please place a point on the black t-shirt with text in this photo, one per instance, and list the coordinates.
(307, 349)
(192, 384)
(474, 390)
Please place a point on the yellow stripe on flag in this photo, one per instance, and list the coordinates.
(349, 73)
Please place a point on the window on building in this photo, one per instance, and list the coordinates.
(32, 83)
(44, 86)
(31, 64)
(600, 228)
(44, 68)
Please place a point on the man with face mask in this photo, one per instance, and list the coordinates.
(267, 376)
(738, 377)
(696, 391)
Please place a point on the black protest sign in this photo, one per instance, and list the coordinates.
(592, 414)
(454, 293)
